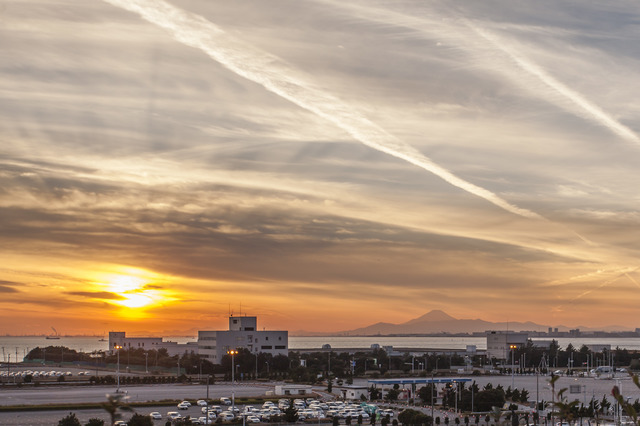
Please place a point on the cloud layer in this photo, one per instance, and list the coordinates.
(222, 153)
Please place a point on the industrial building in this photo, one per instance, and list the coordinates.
(119, 340)
(243, 333)
(499, 343)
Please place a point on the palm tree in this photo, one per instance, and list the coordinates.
(113, 406)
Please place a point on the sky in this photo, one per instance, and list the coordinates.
(323, 165)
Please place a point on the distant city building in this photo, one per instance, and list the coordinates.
(242, 333)
(119, 338)
(499, 342)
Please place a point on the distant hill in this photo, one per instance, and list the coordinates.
(436, 322)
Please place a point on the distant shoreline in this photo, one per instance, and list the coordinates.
(534, 334)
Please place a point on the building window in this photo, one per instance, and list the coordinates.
(266, 338)
(281, 347)
(266, 347)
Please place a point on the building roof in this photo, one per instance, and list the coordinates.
(413, 381)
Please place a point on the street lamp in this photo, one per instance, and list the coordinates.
(233, 352)
(512, 347)
(117, 348)
(146, 362)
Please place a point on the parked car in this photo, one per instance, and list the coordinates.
(226, 416)
(202, 403)
(253, 419)
(225, 401)
(155, 415)
(172, 415)
(183, 406)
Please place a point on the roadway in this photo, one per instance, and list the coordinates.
(140, 393)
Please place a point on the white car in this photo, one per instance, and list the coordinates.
(172, 415)
(187, 403)
(226, 416)
(202, 403)
(253, 419)
(155, 415)
(183, 406)
(225, 401)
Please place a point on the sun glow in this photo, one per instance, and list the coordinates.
(136, 288)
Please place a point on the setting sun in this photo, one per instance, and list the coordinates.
(135, 288)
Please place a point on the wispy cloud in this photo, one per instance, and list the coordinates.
(553, 90)
(102, 295)
(275, 76)
(495, 54)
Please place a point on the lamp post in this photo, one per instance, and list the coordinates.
(433, 389)
(146, 362)
(512, 347)
(117, 348)
(233, 352)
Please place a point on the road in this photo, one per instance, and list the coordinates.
(79, 394)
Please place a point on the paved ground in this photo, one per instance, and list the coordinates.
(50, 395)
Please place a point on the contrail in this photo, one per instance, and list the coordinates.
(584, 108)
(274, 75)
(622, 273)
(514, 66)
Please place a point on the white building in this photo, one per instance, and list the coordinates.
(353, 392)
(293, 390)
(119, 338)
(242, 333)
(499, 342)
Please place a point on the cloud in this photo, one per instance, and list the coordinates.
(102, 295)
(9, 287)
(488, 50)
(276, 77)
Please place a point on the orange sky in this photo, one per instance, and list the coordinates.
(164, 164)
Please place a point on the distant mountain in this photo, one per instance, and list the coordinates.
(436, 322)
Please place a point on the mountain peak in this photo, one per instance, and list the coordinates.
(435, 315)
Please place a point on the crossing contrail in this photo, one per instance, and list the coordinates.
(277, 77)
(492, 53)
(576, 104)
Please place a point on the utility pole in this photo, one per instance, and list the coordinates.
(207, 413)
(433, 389)
(233, 352)
(512, 347)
